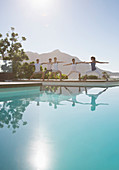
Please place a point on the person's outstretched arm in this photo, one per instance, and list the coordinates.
(60, 62)
(44, 63)
(102, 104)
(87, 62)
(102, 62)
(79, 102)
(80, 62)
(67, 64)
(47, 63)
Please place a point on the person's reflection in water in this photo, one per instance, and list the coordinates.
(40, 95)
(49, 94)
(56, 97)
(93, 99)
(49, 90)
(38, 98)
(73, 96)
(50, 104)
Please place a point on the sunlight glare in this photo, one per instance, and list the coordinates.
(40, 153)
(41, 4)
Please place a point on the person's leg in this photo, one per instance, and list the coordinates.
(98, 72)
(43, 75)
(55, 75)
(78, 74)
(48, 71)
(85, 77)
(87, 72)
(51, 74)
(32, 75)
(106, 77)
(70, 73)
(60, 74)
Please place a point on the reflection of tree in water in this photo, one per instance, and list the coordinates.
(11, 113)
(12, 107)
(6, 66)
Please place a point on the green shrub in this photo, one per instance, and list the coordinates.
(27, 69)
(64, 76)
(90, 77)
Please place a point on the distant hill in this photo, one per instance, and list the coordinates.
(67, 59)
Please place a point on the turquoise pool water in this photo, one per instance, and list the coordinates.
(59, 128)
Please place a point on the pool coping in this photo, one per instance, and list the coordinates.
(68, 83)
(89, 83)
(19, 84)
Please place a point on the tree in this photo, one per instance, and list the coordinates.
(11, 49)
(4, 44)
(26, 70)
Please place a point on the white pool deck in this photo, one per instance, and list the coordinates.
(68, 83)
(19, 84)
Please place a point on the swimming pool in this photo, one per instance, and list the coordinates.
(59, 128)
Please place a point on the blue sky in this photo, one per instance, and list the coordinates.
(78, 27)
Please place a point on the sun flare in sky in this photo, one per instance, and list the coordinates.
(41, 4)
(37, 9)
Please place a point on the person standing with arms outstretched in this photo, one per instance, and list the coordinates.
(49, 66)
(94, 68)
(55, 69)
(73, 68)
(37, 69)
